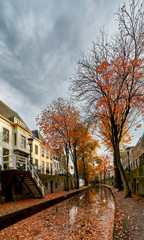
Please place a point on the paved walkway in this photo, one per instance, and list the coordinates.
(129, 218)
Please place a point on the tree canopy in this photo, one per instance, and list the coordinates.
(109, 80)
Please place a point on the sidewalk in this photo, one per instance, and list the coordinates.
(13, 212)
(129, 217)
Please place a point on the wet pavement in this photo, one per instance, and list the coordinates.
(129, 218)
(88, 215)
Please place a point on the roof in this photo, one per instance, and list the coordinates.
(8, 113)
(38, 135)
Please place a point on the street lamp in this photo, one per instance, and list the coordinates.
(30, 140)
(128, 149)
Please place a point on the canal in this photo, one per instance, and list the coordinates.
(88, 215)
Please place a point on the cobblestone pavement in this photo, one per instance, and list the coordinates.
(129, 219)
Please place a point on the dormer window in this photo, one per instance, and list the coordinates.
(19, 122)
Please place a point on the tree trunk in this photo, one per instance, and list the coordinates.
(85, 175)
(67, 178)
(76, 168)
(122, 172)
(104, 175)
(117, 176)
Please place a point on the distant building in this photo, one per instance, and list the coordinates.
(133, 157)
(127, 158)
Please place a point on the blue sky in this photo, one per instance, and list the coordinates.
(40, 42)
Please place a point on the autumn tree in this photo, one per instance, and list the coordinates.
(77, 137)
(56, 123)
(103, 163)
(109, 80)
(86, 153)
(107, 140)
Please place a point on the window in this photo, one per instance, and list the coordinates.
(23, 141)
(36, 162)
(5, 151)
(51, 165)
(42, 152)
(15, 139)
(55, 184)
(47, 154)
(43, 166)
(47, 165)
(36, 149)
(47, 168)
(5, 159)
(50, 156)
(5, 135)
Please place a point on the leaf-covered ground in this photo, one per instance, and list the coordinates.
(129, 221)
(89, 215)
(10, 207)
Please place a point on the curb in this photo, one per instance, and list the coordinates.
(11, 218)
(118, 223)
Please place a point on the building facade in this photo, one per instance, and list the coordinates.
(133, 157)
(14, 134)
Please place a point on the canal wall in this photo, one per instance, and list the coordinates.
(136, 181)
(11, 218)
(52, 184)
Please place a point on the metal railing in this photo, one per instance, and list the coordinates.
(18, 162)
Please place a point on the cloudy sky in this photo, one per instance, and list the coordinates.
(40, 42)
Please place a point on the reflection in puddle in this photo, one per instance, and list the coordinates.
(95, 209)
(88, 215)
(81, 197)
(72, 213)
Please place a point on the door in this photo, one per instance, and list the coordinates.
(51, 184)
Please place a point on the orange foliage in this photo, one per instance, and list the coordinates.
(86, 154)
(120, 93)
(103, 165)
(57, 123)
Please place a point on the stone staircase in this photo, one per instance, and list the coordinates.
(30, 184)
(25, 172)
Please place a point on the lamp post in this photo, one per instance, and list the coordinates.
(128, 158)
(30, 140)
